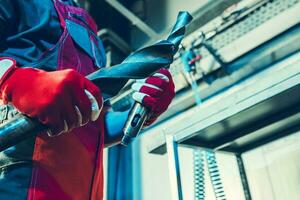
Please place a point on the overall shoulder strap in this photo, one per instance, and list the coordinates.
(59, 7)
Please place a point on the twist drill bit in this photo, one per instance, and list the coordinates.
(164, 52)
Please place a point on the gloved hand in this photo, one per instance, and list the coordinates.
(156, 93)
(57, 99)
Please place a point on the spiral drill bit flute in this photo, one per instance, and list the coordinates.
(138, 65)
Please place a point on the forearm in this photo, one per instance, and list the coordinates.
(114, 123)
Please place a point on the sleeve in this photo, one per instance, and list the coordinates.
(114, 124)
(7, 20)
(7, 17)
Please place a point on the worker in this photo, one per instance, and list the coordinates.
(47, 47)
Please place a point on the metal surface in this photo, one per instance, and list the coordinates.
(174, 168)
(134, 19)
(241, 111)
(134, 124)
(143, 62)
(243, 175)
(12, 132)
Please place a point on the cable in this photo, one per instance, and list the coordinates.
(215, 176)
(199, 175)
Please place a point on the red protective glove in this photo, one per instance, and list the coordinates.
(57, 99)
(155, 92)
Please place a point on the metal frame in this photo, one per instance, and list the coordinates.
(176, 188)
(243, 175)
(290, 79)
(173, 141)
(134, 19)
(174, 168)
(281, 77)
